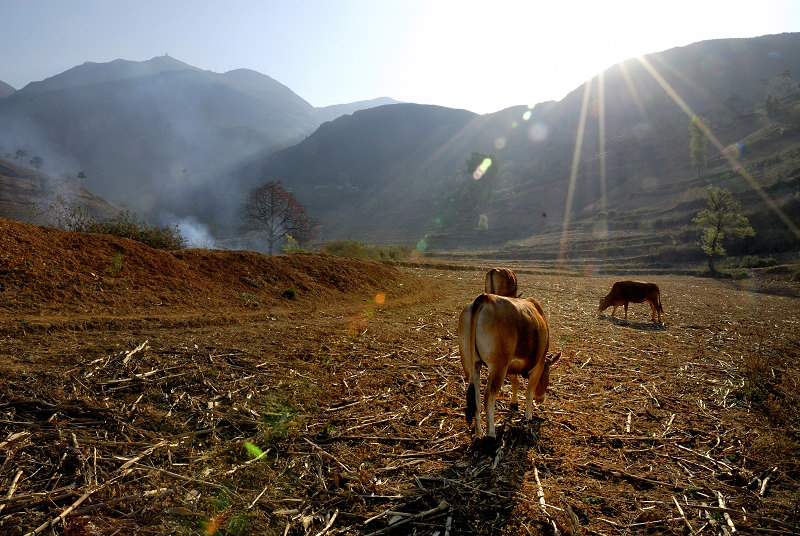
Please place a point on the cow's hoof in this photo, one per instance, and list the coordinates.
(485, 446)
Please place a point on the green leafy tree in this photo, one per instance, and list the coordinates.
(271, 211)
(698, 142)
(722, 218)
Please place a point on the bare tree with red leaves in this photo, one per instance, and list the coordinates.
(273, 212)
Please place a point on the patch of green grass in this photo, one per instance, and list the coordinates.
(116, 264)
(290, 293)
(252, 299)
(359, 250)
(754, 261)
(692, 492)
(251, 282)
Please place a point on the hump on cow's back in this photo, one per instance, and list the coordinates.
(501, 281)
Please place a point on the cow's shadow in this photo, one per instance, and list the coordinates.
(646, 326)
(473, 490)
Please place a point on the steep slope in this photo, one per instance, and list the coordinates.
(628, 153)
(28, 195)
(5, 90)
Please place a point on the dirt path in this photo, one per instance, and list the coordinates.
(342, 414)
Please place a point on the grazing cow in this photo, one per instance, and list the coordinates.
(501, 281)
(511, 337)
(623, 292)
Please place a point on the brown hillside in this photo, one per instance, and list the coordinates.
(49, 272)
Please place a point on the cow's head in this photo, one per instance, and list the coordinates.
(544, 380)
(602, 307)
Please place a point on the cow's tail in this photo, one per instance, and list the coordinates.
(472, 405)
(658, 296)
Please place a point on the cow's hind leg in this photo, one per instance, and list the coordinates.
(626, 310)
(653, 311)
(514, 379)
(474, 399)
(493, 385)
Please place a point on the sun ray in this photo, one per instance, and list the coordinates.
(573, 175)
(735, 165)
(601, 126)
(634, 91)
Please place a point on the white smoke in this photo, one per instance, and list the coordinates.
(196, 233)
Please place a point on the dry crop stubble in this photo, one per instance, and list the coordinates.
(646, 429)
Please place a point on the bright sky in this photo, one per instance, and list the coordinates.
(479, 55)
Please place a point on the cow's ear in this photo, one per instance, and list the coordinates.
(553, 360)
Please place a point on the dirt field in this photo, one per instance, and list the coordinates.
(209, 392)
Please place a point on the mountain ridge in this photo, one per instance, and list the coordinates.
(397, 171)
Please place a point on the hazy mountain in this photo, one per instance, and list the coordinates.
(398, 173)
(172, 141)
(365, 174)
(5, 90)
(155, 135)
(329, 113)
(90, 73)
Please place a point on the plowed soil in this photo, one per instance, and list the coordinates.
(226, 392)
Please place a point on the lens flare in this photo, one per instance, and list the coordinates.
(649, 184)
(734, 150)
(500, 142)
(527, 115)
(600, 229)
(380, 298)
(482, 168)
(538, 131)
(253, 450)
(357, 323)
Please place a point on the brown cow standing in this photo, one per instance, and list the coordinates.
(501, 281)
(511, 337)
(623, 292)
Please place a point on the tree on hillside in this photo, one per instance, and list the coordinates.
(721, 218)
(37, 162)
(271, 211)
(698, 142)
(773, 107)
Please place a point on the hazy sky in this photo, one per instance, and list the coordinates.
(480, 55)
